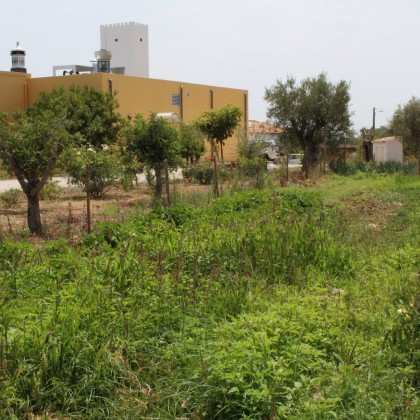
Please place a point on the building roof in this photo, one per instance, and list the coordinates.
(255, 126)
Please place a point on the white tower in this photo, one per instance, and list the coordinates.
(129, 46)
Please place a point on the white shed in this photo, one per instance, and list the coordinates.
(388, 149)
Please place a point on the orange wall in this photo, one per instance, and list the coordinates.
(137, 95)
(13, 90)
(40, 84)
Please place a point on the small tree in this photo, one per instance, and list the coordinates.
(313, 113)
(102, 169)
(32, 141)
(191, 143)
(218, 125)
(251, 146)
(153, 141)
(406, 123)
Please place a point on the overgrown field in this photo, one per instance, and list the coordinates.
(296, 302)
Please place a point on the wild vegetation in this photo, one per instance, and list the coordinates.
(296, 302)
(281, 298)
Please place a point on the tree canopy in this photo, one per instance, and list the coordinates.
(311, 113)
(406, 123)
(218, 125)
(153, 141)
(32, 140)
(191, 143)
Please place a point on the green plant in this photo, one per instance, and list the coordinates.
(203, 173)
(254, 305)
(50, 191)
(12, 198)
(98, 170)
(388, 167)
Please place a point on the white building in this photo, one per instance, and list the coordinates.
(388, 149)
(129, 47)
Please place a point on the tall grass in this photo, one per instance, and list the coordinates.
(254, 305)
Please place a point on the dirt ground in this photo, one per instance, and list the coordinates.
(66, 216)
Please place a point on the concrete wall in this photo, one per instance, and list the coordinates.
(388, 149)
(13, 90)
(129, 46)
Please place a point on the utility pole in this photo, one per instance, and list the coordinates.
(373, 122)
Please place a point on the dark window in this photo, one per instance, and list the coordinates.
(176, 99)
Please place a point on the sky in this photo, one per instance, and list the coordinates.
(244, 44)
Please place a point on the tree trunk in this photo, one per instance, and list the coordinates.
(310, 158)
(34, 214)
(159, 182)
(221, 152)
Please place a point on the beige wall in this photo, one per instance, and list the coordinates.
(13, 90)
(388, 149)
(136, 95)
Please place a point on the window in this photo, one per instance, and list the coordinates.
(176, 99)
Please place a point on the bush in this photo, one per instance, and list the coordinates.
(177, 214)
(390, 167)
(12, 198)
(102, 167)
(203, 173)
(50, 191)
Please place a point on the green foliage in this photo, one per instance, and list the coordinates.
(101, 168)
(92, 116)
(12, 198)
(203, 173)
(191, 142)
(388, 167)
(153, 141)
(311, 113)
(250, 146)
(258, 305)
(50, 191)
(33, 140)
(406, 123)
(220, 124)
(254, 168)
(176, 214)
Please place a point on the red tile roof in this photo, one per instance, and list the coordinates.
(255, 126)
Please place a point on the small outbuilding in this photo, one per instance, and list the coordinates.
(388, 149)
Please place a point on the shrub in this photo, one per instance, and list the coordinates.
(50, 191)
(177, 214)
(102, 167)
(203, 173)
(390, 167)
(12, 197)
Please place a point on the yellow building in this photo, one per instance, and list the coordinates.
(136, 95)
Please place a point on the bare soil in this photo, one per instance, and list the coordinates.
(66, 216)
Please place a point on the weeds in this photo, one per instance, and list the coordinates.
(259, 304)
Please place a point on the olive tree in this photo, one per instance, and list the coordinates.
(406, 123)
(311, 113)
(218, 125)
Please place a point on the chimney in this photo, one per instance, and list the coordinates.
(18, 59)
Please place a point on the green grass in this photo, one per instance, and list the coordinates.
(298, 302)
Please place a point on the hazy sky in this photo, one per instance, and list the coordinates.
(246, 44)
